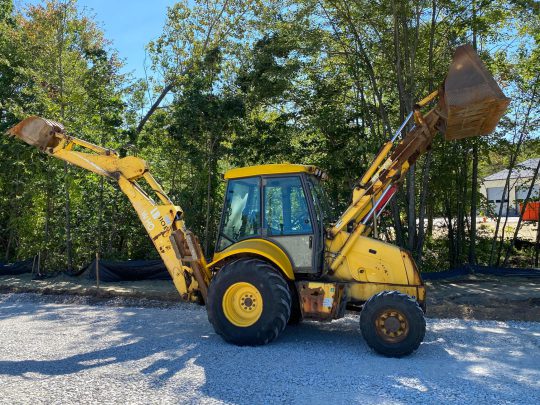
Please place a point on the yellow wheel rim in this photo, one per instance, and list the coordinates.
(242, 304)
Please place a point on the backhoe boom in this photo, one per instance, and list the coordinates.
(163, 221)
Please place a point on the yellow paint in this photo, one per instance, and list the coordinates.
(257, 247)
(385, 150)
(159, 218)
(368, 266)
(282, 168)
(242, 304)
(372, 260)
(413, 275)
(363, 292)
(373, 266)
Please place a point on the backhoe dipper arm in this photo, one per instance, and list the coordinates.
(163, 221)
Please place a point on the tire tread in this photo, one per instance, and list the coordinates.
(267, 275)
(417, 323)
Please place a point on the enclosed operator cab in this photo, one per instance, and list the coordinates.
(280, 203)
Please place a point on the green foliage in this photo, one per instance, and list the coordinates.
(318, 82)
(56, 63)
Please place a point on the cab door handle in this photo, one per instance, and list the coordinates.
(310, 242)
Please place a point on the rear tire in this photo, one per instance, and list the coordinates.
(249, 302)
(296, 311)
(392, 324)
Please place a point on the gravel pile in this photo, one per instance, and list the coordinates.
(66, 352)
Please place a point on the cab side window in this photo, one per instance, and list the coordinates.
(285, 207)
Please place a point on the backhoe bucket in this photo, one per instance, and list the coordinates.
(472, 101)
(37, 131)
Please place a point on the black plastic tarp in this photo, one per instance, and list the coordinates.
(10, 269)
(131, 270)
(494, 271)
(135, 270)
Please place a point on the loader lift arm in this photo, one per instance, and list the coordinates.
(469, 103)
(163, 221)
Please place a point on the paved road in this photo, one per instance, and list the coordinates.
(74, 353)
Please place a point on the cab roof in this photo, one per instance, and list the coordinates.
(281, 168)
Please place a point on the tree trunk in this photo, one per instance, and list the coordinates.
(208, 202)
(503, 232)
(474, 185)
(154, 106)
(474, 199)
(459, 218)
(8, 246)
(451, 238)
(69, 253)
(411, 207)
(100, 219)
(521, 212)
(14, 208)
(422, 207)
(48, 210)
(427, 161)
(60, 44)
(394, 206)
(430, 209)
(513, 159)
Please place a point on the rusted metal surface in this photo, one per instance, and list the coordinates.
(181, 248)
(392, 325)
(471, 101)
(37, 131)
(321, 301)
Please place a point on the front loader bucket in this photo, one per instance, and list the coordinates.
(37, 131)
(472, 101)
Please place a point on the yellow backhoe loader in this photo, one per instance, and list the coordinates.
(276, 259)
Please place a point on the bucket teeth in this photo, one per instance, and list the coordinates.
(38, 132)
(471, 101)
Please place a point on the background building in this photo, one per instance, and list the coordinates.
(492, 187)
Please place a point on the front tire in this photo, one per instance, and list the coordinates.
(392, 324)
(249, 302)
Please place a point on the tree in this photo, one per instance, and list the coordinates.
(68, 75)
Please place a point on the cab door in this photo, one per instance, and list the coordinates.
(287, 219)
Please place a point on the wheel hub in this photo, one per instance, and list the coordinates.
(242, 304)
(392, 325)
(248, 303)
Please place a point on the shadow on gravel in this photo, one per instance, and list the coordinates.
(310, 363)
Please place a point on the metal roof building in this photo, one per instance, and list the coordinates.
(520, 180)
(523, 170)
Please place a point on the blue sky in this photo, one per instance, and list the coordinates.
(130, 24)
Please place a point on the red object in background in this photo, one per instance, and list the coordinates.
(532, 211)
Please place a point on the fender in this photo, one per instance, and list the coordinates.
(257, 247)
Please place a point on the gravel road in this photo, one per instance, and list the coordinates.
(54, 352)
